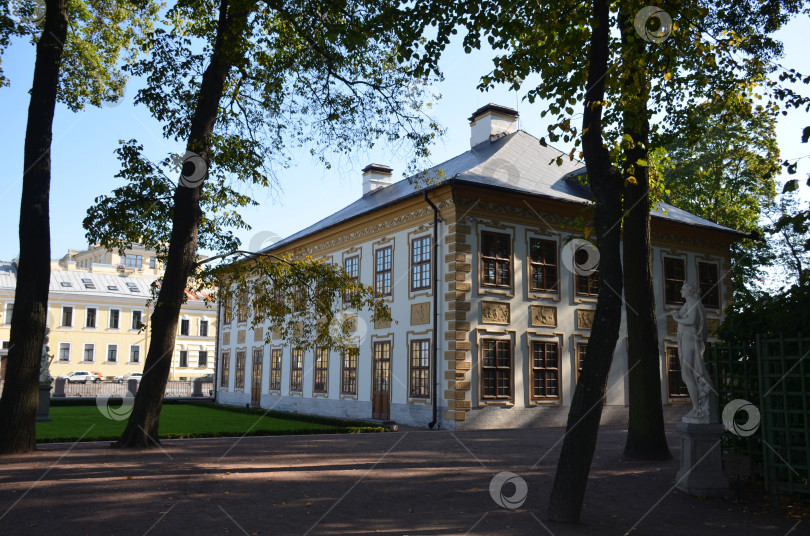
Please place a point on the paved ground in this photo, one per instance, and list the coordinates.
(405, 483)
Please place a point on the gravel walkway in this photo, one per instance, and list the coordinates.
(411, 482)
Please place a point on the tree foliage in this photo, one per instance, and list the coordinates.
(240, 82)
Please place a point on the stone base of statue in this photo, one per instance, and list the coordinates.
(44, 409)
(701, 471)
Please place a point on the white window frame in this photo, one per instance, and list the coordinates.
(92, 345)
(59, 356)
(132, 319)
(199, 325)
(110, 317)
(6, 315)
(131, 346)
(95, 317)
(107, 354)
(180, 327)
(72, 316)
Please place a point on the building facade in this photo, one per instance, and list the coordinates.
(492, 288)
(99, 320)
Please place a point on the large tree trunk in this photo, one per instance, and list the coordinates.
(18, 407)
(646, 437)
(143, 425)
(586, 408)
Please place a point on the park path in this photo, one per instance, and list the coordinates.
(411, 482)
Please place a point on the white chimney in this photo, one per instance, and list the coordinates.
(492, 122)
(376, 176)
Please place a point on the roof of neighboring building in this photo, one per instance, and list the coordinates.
(91, 283)
(513, 162)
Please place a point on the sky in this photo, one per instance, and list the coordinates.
(84, 164)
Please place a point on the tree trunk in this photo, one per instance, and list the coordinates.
(18, 407)
(144, 421)
(605, 181)
(646, 437)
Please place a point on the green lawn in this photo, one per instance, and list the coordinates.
(69, 423)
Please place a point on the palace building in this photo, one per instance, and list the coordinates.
(99, 320)
(492, 288)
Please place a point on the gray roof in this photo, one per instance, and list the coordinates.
(91, 283)
(514, 162)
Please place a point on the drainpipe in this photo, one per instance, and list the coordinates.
(435, 269)
(216, 346)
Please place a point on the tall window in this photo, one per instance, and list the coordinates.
(675, 386)
(112, 353)
(90, 318)
(239, 381)
(184, 323)
(348, 372)
(420, 263)
(67, 317)
(674, 276)
(152, 263)
(241, 314)
(587, 285)
(545, 370)
(275, 369)
(136, 319)
(64, 352)
(115, 316)
(420, 369)
(543, 265)
(352, 267)
(202, 359)
(89, 351)
(132, 261)
(496, 369)
(9, 312)
(582, 348)
(709, 284)
(496, 260)
(297, 370)
(184, 358)
(382, 271)
(321, 370)
(203, 328)
(224, 369)
(226, 312)
(134, 353)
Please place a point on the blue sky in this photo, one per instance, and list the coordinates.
(84, 163)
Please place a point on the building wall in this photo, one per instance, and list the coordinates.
(102, 338)
(471, 312)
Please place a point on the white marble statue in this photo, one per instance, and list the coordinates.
(692, 334)
(45, 361)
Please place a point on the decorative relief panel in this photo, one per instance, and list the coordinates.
(226, 338)
(585, 318)
(420, 313)
(240, 336)
(382, 324)
(494, 313)
(276, 332)
(258, 334)
(544, 316)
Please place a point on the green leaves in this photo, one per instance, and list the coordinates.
(309, 302)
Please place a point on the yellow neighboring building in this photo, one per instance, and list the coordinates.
(99, 320)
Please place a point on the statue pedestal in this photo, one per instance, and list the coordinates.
(701, 471)
(44, 408)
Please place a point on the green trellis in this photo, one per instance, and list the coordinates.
(774, 375)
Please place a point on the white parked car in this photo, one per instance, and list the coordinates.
(80, 376)
(134, 376)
